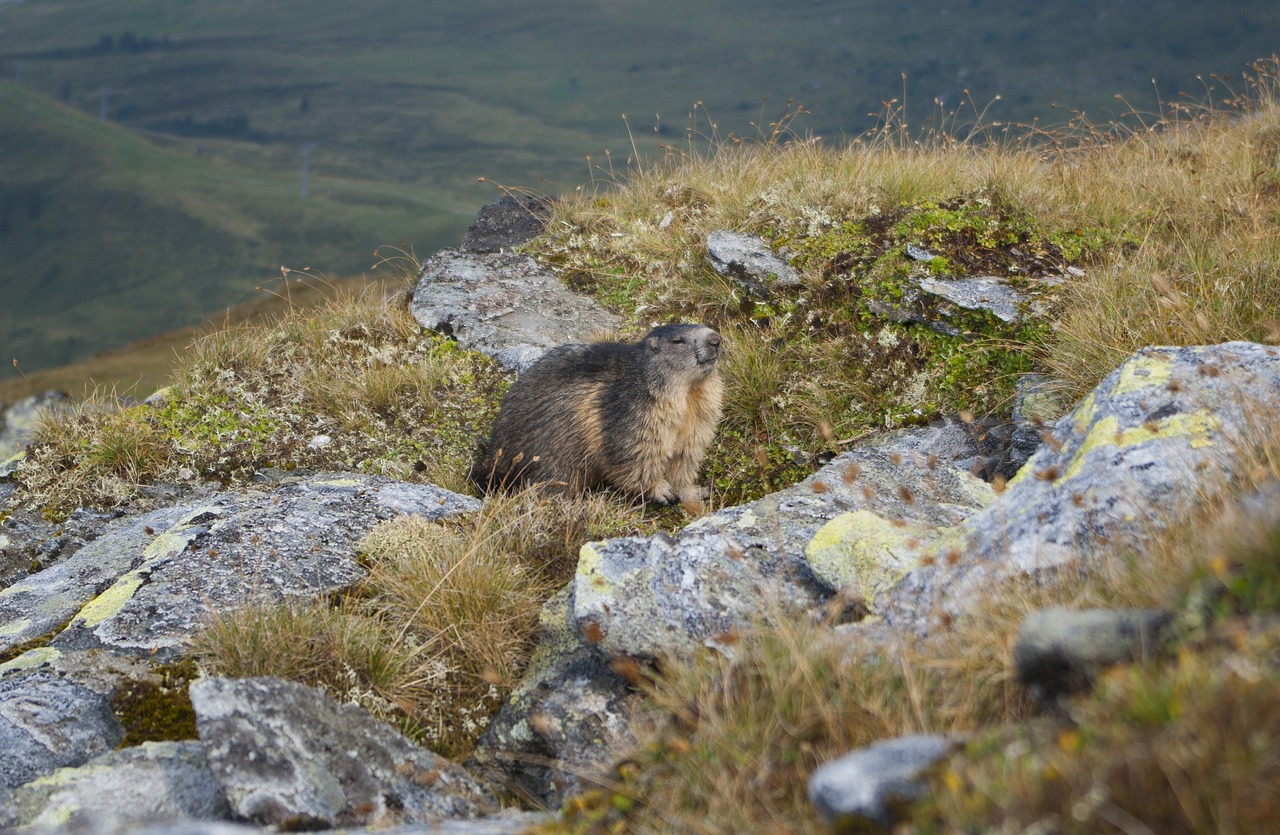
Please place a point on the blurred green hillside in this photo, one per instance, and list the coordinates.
(152, 151)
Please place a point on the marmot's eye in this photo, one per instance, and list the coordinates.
(678, 340)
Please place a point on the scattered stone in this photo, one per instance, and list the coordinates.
(1061, 651)
(156, 782)
(288, 755)
(504, 305)
(504, 225)
(948, 306)
(749, 261)
(869, 789)
(47, 722)
(986, 293)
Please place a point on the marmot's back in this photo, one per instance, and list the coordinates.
(638, 416)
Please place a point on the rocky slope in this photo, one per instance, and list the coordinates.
(896, 536)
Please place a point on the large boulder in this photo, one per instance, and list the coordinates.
(855, 526)
(1158, 436)
(145, 585)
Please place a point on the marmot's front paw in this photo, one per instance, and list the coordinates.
(663, 493)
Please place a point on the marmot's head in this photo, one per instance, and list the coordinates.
(681, 355)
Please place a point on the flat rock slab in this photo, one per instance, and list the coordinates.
(289, 755)
(47, 723)
(648, 596)
(504, 305)
(154, 782)
(36, 604)
(145, 585)
(1156, 437)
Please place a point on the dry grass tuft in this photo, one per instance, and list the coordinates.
(443, 625)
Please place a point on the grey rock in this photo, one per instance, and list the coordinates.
(287, 754)
(505, 823)
(503, 305)
(98, 670)
(504, 225)
(47, 723)
(112, 825)
(33, 606)
(156, 782)
(865, 516)
(948, 305)
(986, 293)
(1059, 651)
(558, 730)
(18, 422)
(236, 548)
(868, 790)
(750, 261)
(1156, 437)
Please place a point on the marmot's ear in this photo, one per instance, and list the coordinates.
(653, 344)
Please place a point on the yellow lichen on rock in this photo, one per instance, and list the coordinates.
(31, 659)
(865, 552)
(112, 600)
(1196, 427)
(1141, 372)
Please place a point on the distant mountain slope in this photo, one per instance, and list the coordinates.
(106, 237)
(404, 105)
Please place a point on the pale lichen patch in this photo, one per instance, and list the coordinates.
(1141, 372)
(864, 552)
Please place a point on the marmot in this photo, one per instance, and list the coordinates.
(638, 416)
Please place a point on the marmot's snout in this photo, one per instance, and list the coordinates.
(707, 349)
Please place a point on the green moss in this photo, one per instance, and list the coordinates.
(153, 711)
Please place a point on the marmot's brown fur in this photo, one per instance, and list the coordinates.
(638, 416)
